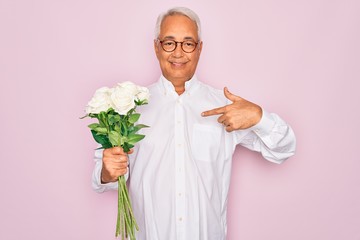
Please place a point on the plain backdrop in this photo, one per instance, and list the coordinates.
(299, 59)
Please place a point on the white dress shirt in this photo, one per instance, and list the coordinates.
(179, 174)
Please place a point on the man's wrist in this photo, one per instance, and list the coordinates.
(265, 125)
(102, 179)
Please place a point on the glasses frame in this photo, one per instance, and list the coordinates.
(176, 45)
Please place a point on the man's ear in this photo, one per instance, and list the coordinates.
(156, 48)
(200, 46)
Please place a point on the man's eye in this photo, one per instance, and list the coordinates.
(168, 43)
(189, 44)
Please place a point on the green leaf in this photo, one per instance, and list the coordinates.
(100, 130)
(126, 146)
(103, 119)
(117, 127)
(102, 115)
(134, 117)
(101, 139)
(130, 111)
(134, 138)
(110, 111)
(124, 129)
(114, 138)
(138, 127)
(122, 140)
(93, 125)
(93, 115)
(141, 102)
(114, 119)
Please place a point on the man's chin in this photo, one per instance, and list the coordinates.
(178, 77)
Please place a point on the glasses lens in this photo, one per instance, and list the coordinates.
(168, 45)
(188, 46)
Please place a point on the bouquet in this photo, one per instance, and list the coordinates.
(115, 110)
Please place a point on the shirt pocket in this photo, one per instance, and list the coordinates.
(205, 142)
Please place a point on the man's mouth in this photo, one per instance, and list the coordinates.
(178, 64)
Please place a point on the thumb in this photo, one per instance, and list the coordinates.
(231, 96)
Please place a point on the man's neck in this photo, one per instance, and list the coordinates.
(179, 89)
(179, 85)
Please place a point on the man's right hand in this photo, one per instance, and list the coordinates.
(114, 164)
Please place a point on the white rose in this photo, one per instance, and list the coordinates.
(122, 98)
(99, 102)
(143, 94)
(130, 87)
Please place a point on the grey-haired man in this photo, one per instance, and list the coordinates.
(179, 174)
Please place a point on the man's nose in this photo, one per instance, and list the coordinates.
(178, 52)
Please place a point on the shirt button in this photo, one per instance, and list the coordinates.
(179, 194)
(179, 144)
(180, 219)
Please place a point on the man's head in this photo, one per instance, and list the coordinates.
(177, 44)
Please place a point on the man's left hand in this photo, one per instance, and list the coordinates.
(240, 114)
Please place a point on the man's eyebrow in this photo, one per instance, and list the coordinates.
(169, 37)
(189, 38)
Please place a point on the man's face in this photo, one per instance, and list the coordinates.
(178, 66)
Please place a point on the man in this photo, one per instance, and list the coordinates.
(179, 174)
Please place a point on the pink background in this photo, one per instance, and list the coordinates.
(299, 59)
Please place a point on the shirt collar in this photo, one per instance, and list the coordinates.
(169, 88)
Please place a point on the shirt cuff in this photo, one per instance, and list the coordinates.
(264, 126)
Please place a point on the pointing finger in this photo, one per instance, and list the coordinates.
(215, 111)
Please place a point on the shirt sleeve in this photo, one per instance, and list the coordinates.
(272, 137)
(96, 181)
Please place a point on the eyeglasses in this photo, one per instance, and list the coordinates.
(187, 46)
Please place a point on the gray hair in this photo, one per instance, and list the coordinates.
(178, 11)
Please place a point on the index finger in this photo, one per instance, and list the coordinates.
(120, 151)
(114, 151)
(215, 111)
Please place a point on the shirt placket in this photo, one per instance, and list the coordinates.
(180, 173)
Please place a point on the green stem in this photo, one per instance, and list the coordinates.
(123, 228)
(125, 220)
(117, 232)
(120, 225)
(128, 203)
(128, 217)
